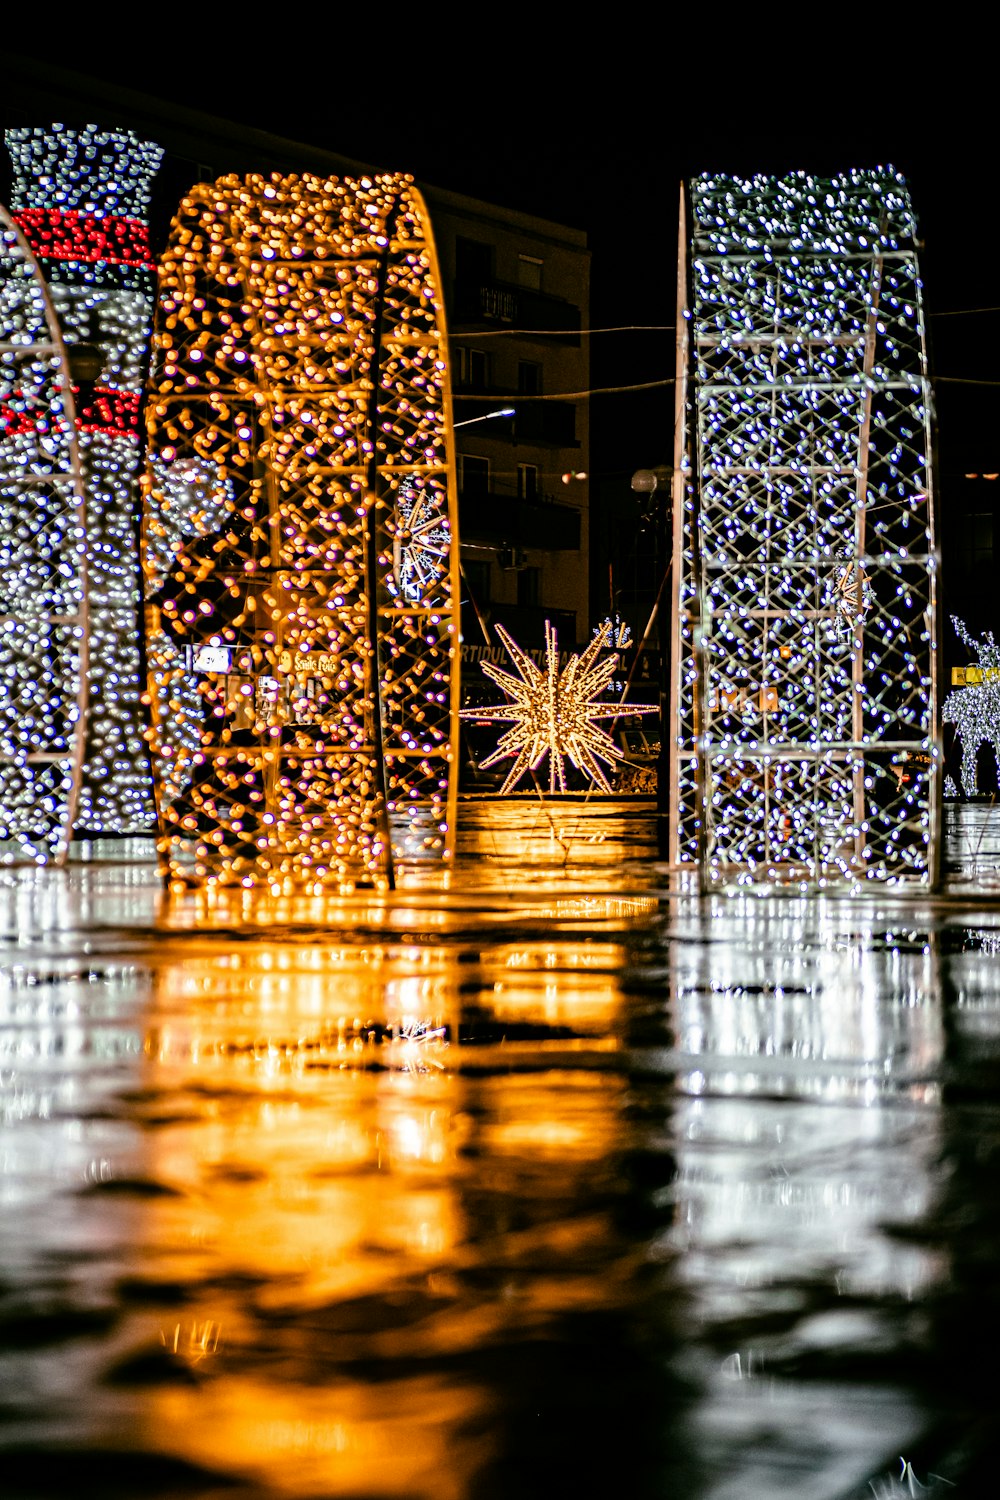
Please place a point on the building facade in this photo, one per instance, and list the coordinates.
(517, 293)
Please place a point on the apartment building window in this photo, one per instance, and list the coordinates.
(473, 474)
(477, 581)
(529, 273)
(529, 586)
(474, 367)
(529, 378)
(977, 535)
(473, 261)
(527, 481)
(976, 545)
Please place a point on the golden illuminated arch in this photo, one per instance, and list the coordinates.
(299, 541)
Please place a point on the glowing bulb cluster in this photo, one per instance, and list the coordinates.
(299, 546)
(553, 712)
(80, 198)
(805, 545)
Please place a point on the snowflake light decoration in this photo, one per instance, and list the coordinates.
(617, 632)
(553, 712)
(421, 545)
(975, 709)
(850, 593)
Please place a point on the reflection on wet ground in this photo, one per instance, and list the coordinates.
(558, 1181)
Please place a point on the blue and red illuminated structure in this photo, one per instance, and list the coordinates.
(80, 199)
(43, 570)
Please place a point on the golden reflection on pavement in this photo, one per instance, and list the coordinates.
(414, 1195)
(319, 1151)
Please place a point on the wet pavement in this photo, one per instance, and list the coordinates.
(557, 1181)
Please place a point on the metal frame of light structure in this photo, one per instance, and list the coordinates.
(805, 743)
(43, 570)
(81, 197)
(299, 537)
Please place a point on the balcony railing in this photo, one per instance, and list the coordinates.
(503, 302)
(507, 521)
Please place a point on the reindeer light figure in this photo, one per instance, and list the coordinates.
(975, 709)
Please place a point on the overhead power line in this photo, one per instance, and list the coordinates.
(601, 390)
(566, 333)
(964, 312)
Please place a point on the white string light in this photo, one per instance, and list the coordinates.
(43, 592)
(805, 549)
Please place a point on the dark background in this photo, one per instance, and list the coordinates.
(597, 136)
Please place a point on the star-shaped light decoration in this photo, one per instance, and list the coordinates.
(553, 712)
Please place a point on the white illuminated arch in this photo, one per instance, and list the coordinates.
(804, 699)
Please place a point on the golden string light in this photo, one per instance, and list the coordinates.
(299, 539)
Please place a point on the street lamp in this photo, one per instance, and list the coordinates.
(505, 411)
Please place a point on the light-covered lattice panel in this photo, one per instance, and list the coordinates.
(43, 580)
(81, 198)
(299, 538)
(804, 694)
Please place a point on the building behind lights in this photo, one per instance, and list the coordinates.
(517, 294)
(516, 291)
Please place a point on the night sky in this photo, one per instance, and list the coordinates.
(601, 140)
